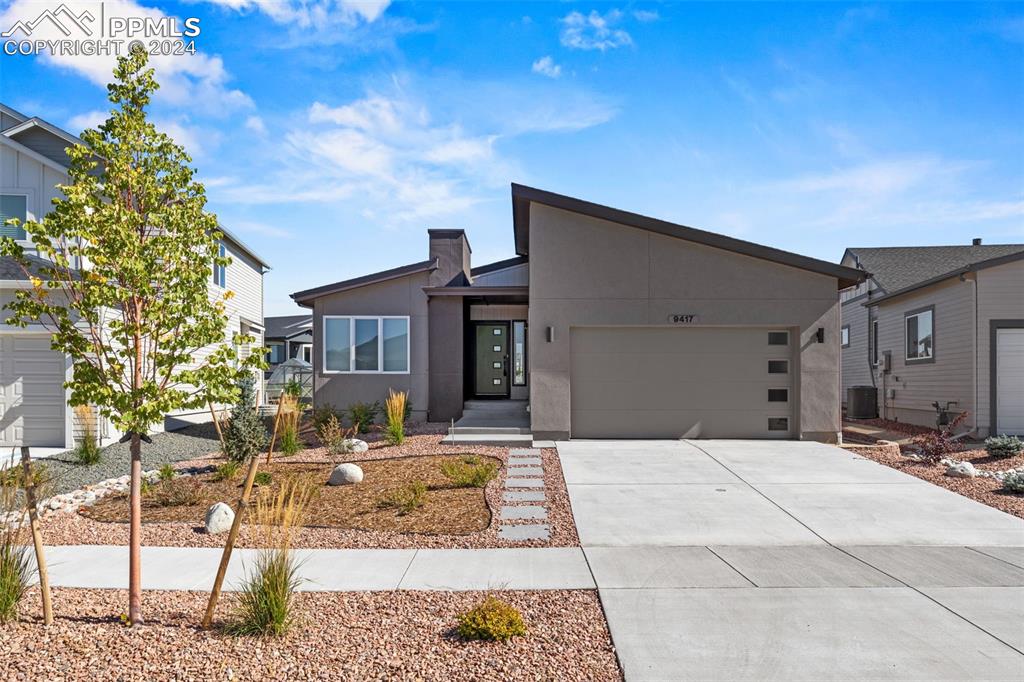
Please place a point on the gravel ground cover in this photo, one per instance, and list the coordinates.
(74, 529)
(984, 490)
(340, 636)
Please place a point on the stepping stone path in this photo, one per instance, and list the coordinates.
(524, 498)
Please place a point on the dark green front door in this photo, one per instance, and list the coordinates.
(491, 359)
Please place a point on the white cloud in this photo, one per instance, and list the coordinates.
(198, 81)
(248, 226)
(546, 66)
(199, 142)
(312, 13)
(88, 119)
(594, 31)
(255, 124)
(646, 16)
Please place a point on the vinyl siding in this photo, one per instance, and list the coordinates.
(46, 143)
(855, 369)
(1000, 297)
(514, 276)
(20, 174)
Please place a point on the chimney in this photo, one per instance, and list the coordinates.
(450, 249)
(976, 241)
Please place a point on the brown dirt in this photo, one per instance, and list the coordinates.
(985, 490)
(340, 636)
(446, 510)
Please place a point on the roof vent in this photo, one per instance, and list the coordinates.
(976, 241)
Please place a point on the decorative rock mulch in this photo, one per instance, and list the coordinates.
(338, 636)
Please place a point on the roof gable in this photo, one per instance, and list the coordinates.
(895, 268)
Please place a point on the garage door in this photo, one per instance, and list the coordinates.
(1010, 381)
(32, 407)
(658, 382)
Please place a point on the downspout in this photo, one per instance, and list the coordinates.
(974, 376)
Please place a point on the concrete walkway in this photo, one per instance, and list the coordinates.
(732, 560)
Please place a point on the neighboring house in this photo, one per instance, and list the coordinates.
(287, 337)
(612, 324)
(951, 320)
(33, 407)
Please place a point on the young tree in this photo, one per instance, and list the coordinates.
(122, 286)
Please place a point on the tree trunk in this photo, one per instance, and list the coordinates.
(135, 535)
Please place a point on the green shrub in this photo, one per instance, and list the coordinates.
(293, 388)
(1004, 446)
(266, 602)
(13, 476)
(166, 472)
(323, 413)
(493, 620)
(183, 491)
(15, 573)
(263, 478)
(333, 437)
(245, 435)
(1014, 482)
(228, 471)
(87, 451)
(394, 431)
(469, 472)
(290, 441)
(363, 415)
(406, 499)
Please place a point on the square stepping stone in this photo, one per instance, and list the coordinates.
(530, 511)
(526, 471)
(524, 532)
(524, 452)
(524, 482)
(524, 496)
(524, 461)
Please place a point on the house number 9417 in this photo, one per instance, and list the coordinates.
(681, 319)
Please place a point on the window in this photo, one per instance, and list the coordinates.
(844, 336)
(372, 345)
(307, 353)
(13, 206)
(778, 395)
(778, 423)
(220, 271)
(519, 353)
(873, 343)
(920, 335)
(778, 366)
(275, 353)
(778, 338)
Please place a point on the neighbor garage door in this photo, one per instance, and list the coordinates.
(1010, 381)
(658, 382)
(32, 408)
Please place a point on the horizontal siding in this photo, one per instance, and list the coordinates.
(1000, 297)
(855, 369)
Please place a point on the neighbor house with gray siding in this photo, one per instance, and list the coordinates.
(939, 324)
(605, 324)
(33, 407)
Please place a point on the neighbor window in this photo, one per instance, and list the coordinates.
(366, 344)
(873, 343)
(13, 206)
(519, 353)
(275, 353)
(307, 354)
(220, 271)
(844, 336)
(920, 335)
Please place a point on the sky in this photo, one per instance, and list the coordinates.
(330, 135)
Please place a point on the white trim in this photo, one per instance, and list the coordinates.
(930, 312)
(31, 215)
(36, 122)
(34, 155)
(380, 344)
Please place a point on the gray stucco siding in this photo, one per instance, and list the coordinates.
(1000, 297)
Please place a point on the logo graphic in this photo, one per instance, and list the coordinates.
(27, 27)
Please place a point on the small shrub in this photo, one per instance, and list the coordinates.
(15, 573)
(323, 413)
(166, 472)
(183, 491)
(332, 436)
(1014, 482)
(406, 499)
(228, 471)
(394, 431)
(469, 472)
(288, 426)
(935, 445)
(1004, 446)
(290, 441)
(362, 415)
(13, 476)
(88, 450)
(493, 620)
(293, 388)
(246, 434)
(262, 478)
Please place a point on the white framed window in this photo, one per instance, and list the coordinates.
(519, 353)
(307, 353)
(919, 334)
(365, 345)
(873, 342)
(13, 206)
(844, 336)
(220, 272)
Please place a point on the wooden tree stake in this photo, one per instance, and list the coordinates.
(220, 433)
(37, 537)
(273, 437)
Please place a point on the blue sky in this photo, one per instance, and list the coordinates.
(330, 135)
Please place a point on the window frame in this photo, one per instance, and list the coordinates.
(526, 352)
(352, 345)
(906, 318)
(29, 213)
(220, 272)
(271, 345)
(845, 329)
(873, 342)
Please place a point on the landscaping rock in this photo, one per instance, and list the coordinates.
(961, 470)
(346, 474)
(356, 445)
(219, 518)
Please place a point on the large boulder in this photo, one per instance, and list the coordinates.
(355, 445)
(345, 474)
(961, 470)
(219, 518)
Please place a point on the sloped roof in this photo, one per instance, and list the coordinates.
(286, 325)
(10, 270)
(304, 298)
(895, 268)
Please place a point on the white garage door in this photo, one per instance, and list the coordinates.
(1010, 381)
(32, 407)
(670, 382)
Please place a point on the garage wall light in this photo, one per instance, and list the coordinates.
(820, 335)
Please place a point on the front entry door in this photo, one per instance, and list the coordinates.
(492, 360)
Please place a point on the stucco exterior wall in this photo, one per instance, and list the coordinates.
(587, 271)
(402, 296)
(1000, 297)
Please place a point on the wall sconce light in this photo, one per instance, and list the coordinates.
(551, 334)
(820, 335)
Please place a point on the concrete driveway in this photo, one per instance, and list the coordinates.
(793, 560)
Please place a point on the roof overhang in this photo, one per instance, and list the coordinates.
(523, 197)
(305, 298)
(36, 122)
(242, 246)
(959, 272)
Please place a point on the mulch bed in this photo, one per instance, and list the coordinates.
(340, 635)
(985, 490)
(446, 509)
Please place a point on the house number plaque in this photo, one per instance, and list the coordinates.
(682, 319)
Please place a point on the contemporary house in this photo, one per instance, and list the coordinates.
(609, 323)
(33, 407)
(939, 324)
(287, 337)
